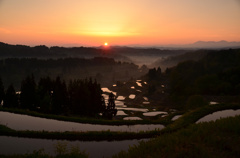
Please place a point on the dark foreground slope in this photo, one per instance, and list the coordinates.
(214, 139)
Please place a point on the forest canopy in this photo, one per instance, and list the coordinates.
(217, 74)
(80, 97)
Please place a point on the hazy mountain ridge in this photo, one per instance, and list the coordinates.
(196, 45)
(174, 60)
(215, 44)
(137, 55)
(151, 56)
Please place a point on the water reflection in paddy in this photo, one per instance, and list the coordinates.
(154, 113)
(13, 145)
(176, 117)
(145, 98)
(146, 102)
(132, 96)
(24, 122)
(106, 90)
(132, 118)
(121, 113)
(119, 103)
(120, 98)
(219, 114)
(133, 109)
(139, 84)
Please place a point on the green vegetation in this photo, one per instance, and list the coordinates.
(212, 78)
(80, 97)
(214, 75)
(104, 69)
(195, 101)
(61, 151)
(194, 115)
(214, 139)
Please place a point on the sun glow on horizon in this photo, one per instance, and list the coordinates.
(136, 22)
(105, 44)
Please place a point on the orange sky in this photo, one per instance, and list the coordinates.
(124, 22)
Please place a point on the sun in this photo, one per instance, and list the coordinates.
(105, 44)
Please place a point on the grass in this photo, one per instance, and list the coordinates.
(215, 139)
(61, 151)
(192, 116)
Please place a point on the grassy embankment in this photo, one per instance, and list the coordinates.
(186, 120)
(214, 139)
(61, 151)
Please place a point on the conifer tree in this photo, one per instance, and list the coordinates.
(10, 99)
(2, 93)
(28, 93)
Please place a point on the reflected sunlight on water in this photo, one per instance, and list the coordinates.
(24, 122)
(218, 115)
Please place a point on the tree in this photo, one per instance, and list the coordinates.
(10, 99)
(1, 91)
(95, 98)
(151, 89)
(85, 97)
(195, 101)
(159, 71)
(28, 93)
(152, 73)
(59, 96)
(44, 94)
(79, 97)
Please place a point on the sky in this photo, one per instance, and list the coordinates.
(118, 22)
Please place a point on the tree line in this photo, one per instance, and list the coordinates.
(190, 83)
(14, 70)
(80, 97)
(216, 74)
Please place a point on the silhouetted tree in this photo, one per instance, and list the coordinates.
(59, 96)
(152, 73)
(151, 89)
(28, 93)
(85, 97)
(95, 98)
(110, 111)
(1, 91)
(159, 71)
(10, 99)
(44, 94)
(195, 101)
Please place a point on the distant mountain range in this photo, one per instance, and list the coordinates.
(214, 44)
(197, 45)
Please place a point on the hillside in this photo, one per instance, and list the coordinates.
(171, 61)
(214, 139)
